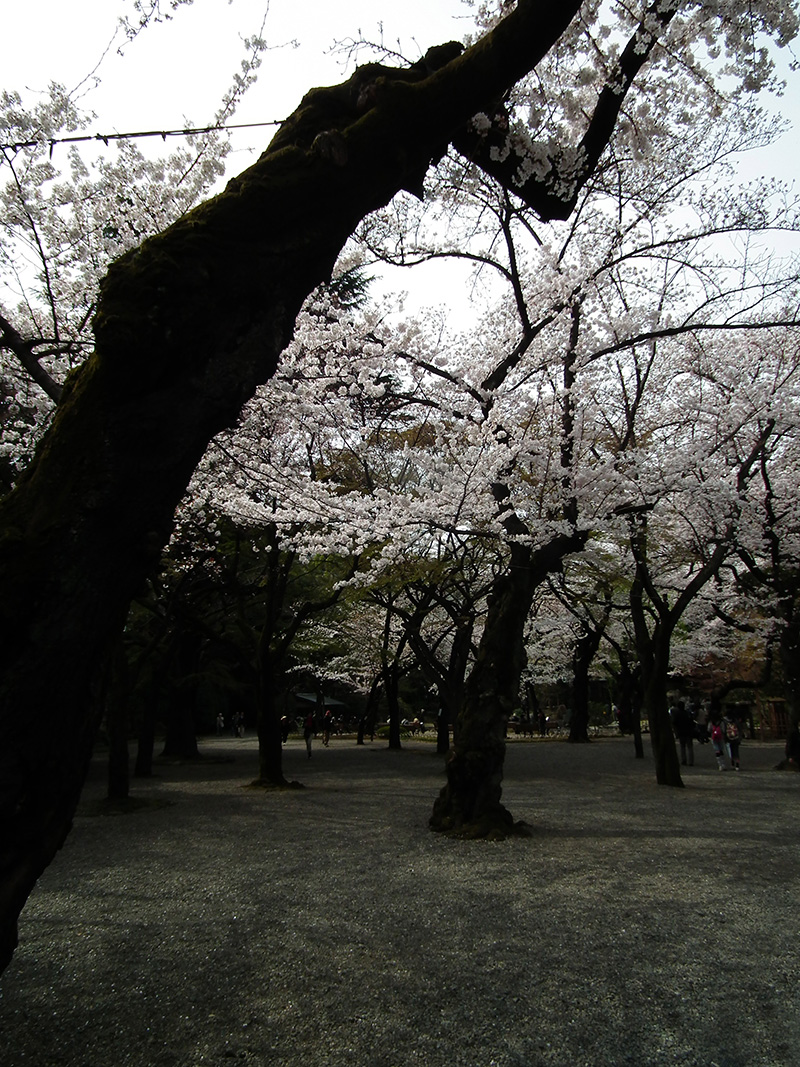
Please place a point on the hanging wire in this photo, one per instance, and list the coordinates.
(106, 137)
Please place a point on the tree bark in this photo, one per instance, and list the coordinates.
(585, 651)
(469, 804)
(180, 730)
(268, 725)
(668, 770)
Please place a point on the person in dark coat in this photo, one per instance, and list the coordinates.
(683, 723)
(733, 737)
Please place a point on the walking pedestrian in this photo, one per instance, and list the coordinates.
(308, 731)
(683, 723)
(733, 737)
(717, 741)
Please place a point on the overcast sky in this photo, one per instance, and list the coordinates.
(178, 70)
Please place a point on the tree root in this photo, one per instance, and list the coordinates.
(268, 783)
(492, 826)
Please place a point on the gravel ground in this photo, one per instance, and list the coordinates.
(327, 926)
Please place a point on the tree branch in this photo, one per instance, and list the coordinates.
(554, 194)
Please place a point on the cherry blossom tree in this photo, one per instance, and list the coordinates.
(189, 322)
(627, 277)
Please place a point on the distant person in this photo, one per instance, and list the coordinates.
(308, 731)
(717, 736)
(683, 723)
(733, 737)
(793, 747)
(327, 726)
(220, 723)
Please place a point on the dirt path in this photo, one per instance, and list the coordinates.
(222, 924)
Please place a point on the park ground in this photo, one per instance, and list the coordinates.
(214, 923)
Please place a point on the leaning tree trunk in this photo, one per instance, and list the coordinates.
(469, 804)
(186, 327)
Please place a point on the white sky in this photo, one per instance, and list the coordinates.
(176, 72)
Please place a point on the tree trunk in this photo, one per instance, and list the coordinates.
(117, 728)
(790, 661)
(119, 778)
(448, 678)
(585, 651)
(373, 706)
(443, 722)
(180, 732)
(638, 744)
(469, 804)
(270, 741)
(146, 742)
(629, 700)
(391, 688)
(180, 736)
(668, 769)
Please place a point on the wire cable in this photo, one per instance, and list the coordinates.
(15, 146)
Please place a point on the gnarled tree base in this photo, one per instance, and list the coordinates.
(269, 783)
(491, 826)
